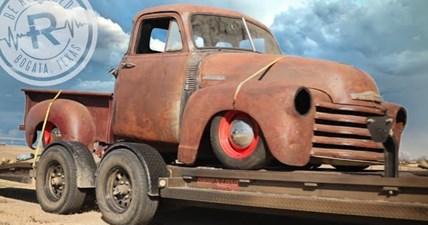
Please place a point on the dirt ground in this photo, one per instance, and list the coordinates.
(18, 203)
(18, 206)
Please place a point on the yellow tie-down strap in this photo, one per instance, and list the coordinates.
(39, 143)
(238, 88)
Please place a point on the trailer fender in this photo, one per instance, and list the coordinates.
(72, 118)
(84, 161)
(150, 158)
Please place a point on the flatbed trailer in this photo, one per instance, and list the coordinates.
(360, 194)
(18, 172)
(323, 193)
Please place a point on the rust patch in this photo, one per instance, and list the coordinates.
(218, 183)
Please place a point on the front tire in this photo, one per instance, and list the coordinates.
(56, 182)
(122, 190)
(237, 141)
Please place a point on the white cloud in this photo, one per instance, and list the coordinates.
(95, 85)
(157, 45)
(12, 137)
(264, 12)
(405, 61)
(112, 42)
(13, 133)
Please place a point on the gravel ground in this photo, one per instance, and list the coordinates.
(18, 206)
(18, 203)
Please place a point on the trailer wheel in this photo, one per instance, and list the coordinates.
(122, 190)
(56, 182)
(237, 141)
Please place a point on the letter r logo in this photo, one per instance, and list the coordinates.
(34, 33)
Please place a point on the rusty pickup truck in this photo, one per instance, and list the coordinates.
(201, 86)
(220, 77)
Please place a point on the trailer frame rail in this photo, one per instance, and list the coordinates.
(367, 194)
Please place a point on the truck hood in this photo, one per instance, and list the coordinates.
(343, 83)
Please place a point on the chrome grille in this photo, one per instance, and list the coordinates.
(340, 131)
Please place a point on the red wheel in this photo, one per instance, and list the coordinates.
(238, 134)
(237, 141)
(51, 134)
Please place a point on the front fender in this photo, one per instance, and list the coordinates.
(200, 108)
(287, 129)
(72, 118)
(399, 115)
(288, 133)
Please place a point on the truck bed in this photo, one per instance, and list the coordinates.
(99, 105)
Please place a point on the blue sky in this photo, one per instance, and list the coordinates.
(388, 39)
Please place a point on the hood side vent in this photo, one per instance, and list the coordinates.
(191, 82)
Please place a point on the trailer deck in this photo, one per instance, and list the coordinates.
(18, 172)
(365, 194)
(324, 191)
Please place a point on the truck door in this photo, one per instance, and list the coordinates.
(149, 85)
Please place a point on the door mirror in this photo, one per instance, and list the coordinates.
(114, 72)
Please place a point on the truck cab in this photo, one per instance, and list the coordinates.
(187, 64)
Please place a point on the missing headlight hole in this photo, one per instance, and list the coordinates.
(303, 101)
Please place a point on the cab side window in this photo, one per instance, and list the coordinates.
(159, 35)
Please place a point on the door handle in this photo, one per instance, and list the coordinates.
(126, 65)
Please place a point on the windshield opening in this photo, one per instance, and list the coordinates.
(214, 31)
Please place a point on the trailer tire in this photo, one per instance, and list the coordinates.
(56, 182)
(122, 190)
(247, 153)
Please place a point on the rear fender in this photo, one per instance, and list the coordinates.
(72, 118)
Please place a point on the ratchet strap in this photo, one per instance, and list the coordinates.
(39, 143)
(238, 88)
